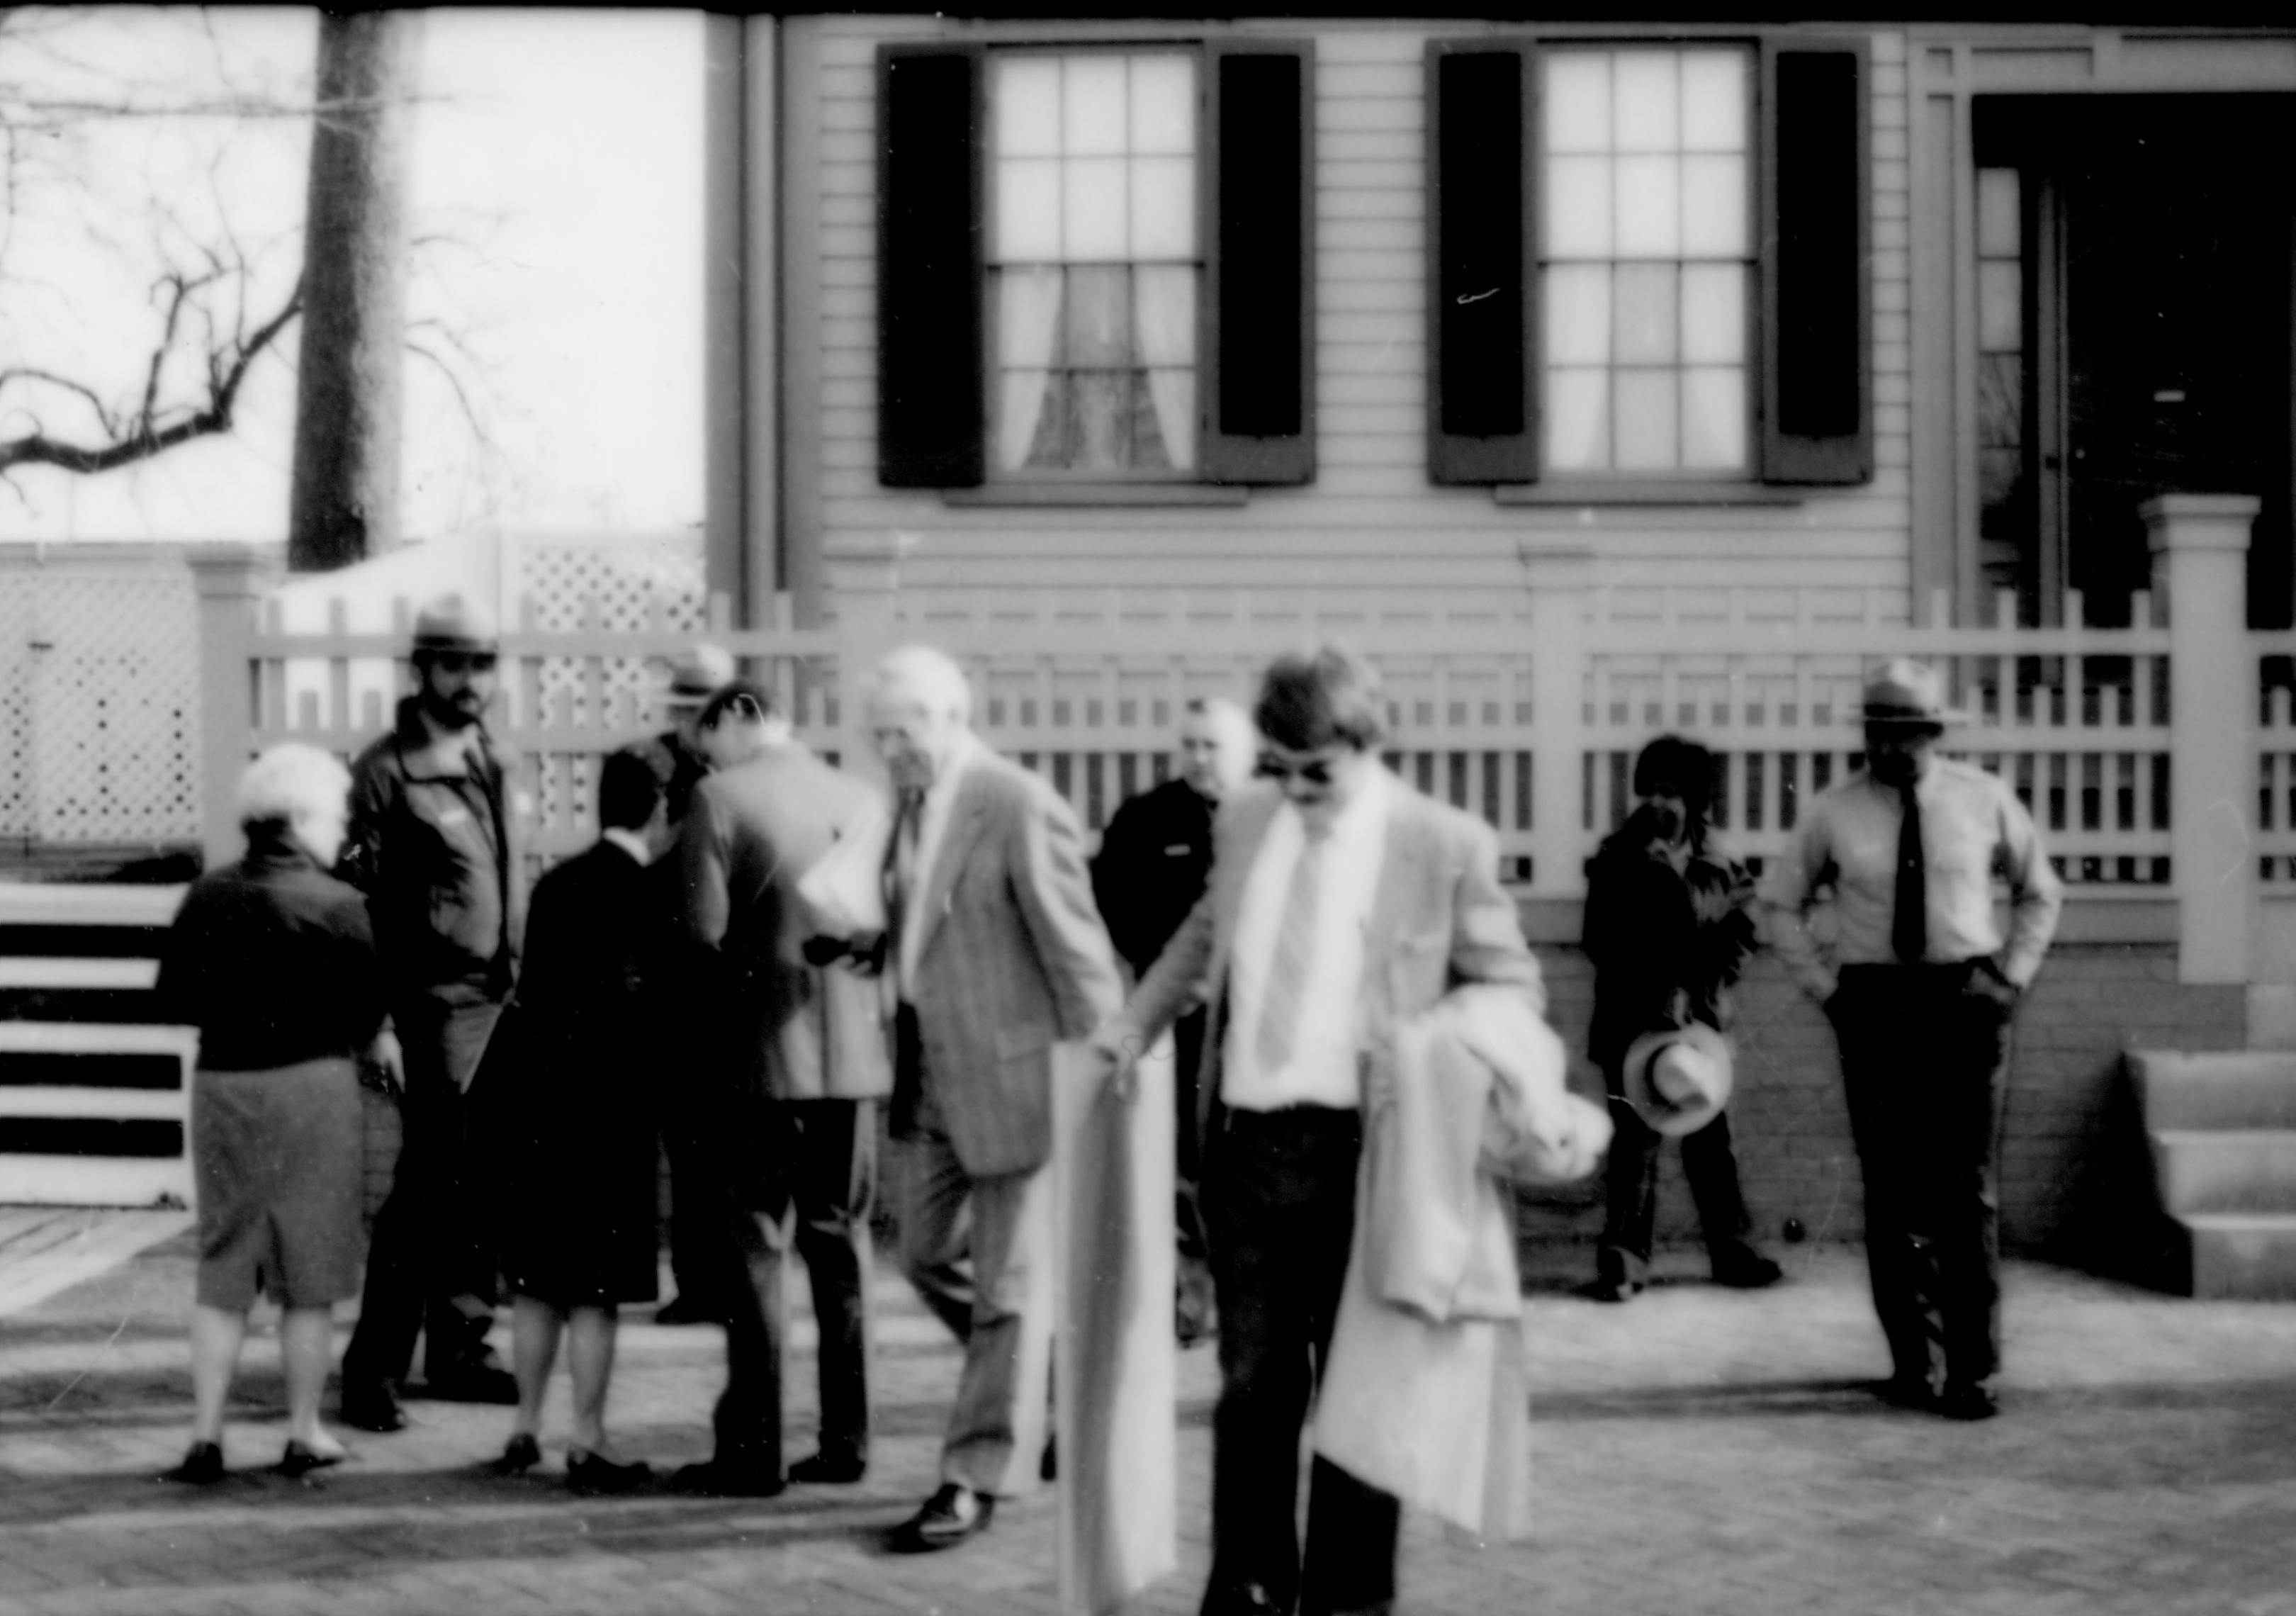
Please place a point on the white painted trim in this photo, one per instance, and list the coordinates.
(115, 974)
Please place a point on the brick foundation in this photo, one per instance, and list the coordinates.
(2075, 1177)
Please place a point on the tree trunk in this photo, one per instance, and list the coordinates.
(344, 501)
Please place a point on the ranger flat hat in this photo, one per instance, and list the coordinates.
(453, 622)
(1678, 1078)
(698, 675)
(1902, 691)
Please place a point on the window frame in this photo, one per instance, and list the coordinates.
(1781, 465)
(1228, 463)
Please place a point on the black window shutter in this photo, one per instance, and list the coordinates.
(930, 382)
(1482, 334)
(1818, 300)
(1258, 344)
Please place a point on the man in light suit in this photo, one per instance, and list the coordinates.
(1341, 903)
(994, 952)
(799, 1049)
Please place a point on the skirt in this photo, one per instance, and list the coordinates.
(278, 1158)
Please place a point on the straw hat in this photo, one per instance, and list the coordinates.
(1678, 1078)
(698, 675)
(453, 622)
(1902, 691)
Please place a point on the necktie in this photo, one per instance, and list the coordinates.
(1287, 969)
(901, 862)
(1909, 929)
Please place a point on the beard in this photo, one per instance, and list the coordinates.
(457, 712)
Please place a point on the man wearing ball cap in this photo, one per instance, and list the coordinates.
(430, 844)
(1922, 986)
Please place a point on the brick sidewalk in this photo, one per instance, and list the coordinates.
(1699, 1450)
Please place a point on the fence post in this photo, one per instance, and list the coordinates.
(866, 600)
(2200, 557)
(1559, 588)
(226, 579)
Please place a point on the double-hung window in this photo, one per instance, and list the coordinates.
(1093, 267)
(1647, 264)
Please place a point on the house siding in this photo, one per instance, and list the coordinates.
(1370, 522)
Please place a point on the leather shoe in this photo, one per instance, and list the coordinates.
(829, 1470)
(520, 1454)
(372, 1407)
(590, 1472)
(1906, 1391)
(1749, 1271)
(1610, 1290)
(951, 1515)
(302, 1459)
(715, 1479)
(472, 1383)
(201, 1463)
(683, 1309)
(1244, 1599)
(1967, 1400)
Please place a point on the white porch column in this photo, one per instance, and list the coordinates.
(228, 580)
(2200, 559)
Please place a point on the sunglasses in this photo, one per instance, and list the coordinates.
(1314, 771)
(461, 661)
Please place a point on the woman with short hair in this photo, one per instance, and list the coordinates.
(273, 960)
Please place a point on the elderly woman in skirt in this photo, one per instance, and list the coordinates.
(271, 959)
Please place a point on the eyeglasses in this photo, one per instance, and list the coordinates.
(461, 661)
(1312, 771)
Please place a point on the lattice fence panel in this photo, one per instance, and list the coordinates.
(17, 817)
(626, 587)
(115, 697)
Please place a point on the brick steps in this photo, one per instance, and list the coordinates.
(2222, 1132)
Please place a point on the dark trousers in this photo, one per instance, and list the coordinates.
(1630, 1185)
(815, 1199)
(702, 1210)
(430, 1260)
(1924, 1064)
(1187, 1176)
(1279, 1193)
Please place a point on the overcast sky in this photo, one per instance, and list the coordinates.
(557, 156)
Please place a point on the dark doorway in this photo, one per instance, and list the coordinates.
(2155, 255)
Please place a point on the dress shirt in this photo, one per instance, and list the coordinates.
(629, 841)
(1322, 1067)
(1973, 828)
(932, 829)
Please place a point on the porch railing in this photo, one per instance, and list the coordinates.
(2145, 752)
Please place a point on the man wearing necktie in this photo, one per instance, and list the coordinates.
(1922, 988)
(1341, 903)
(993, 953)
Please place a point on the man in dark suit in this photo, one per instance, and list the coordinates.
(1154, 858)
(1342, 902)
(996, 953)
(691, 1132)
(803, 1055)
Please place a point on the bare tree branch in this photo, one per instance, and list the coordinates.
(144, 437)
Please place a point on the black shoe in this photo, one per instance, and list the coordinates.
(1048, 1466)
(372, 1407)
(1249, 1599)
(1748, 1271)
(951, 1515)
(471, 1384)
(1906, 1391)
(302, 1459)
(683, 1309)
(520, 1454)
(1610, 1290)
(1967, 1400)
(201, 1464)
(829, 1470)
(590, 1472)
(712, 1478)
